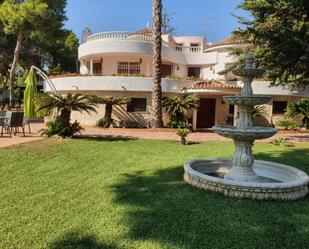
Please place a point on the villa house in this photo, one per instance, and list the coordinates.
(119, 64)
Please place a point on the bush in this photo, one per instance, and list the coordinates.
(281, 141)
(300, 109)
(179, 123)
(103, 123)
(287, 124)
(58, 129)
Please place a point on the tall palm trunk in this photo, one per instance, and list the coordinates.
(108, 110)
(64, 117)
(14, 64)
(156, 121)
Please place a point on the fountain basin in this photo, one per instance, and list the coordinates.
(251, 133)
(247, 100)
(276, 181)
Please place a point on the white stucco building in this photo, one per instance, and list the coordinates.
(120, 64)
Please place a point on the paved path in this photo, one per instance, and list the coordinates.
(6, 140)
(114, 133)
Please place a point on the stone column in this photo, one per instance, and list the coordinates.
(91, 67)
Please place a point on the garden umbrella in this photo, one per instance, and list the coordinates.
(29, 95)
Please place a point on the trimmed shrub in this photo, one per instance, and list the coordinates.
(179, 123)
(103, 123)
(58, 129)
(287, 124)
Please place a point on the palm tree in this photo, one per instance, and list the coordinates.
(109, 103)
(300, 109)
(177, 106)
(156, 74)
(259, 111)
(65, 104)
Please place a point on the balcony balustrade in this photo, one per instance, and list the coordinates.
(142, 37)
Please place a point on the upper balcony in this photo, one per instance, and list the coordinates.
(141, 44)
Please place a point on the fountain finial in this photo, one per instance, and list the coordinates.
(249, 61)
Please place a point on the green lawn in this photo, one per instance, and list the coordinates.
(130, 194)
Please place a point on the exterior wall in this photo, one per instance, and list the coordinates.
(212, 71)
(181, 72)
(119, 112)
(187, 40)
(276, 117)
(115, 83)
(110, 46)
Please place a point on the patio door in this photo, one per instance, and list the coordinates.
(206, 113)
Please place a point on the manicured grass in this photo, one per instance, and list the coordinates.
(130, 194)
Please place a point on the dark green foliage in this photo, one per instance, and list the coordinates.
(49, 43)
(279, 34)
(300, 109)
(259, 111)
(64, 54)
(103, 123)
(58, 129)
(176, 122)
(287, 124)
(282, 141)
(177, 108)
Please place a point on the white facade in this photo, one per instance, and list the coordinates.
(120, 64)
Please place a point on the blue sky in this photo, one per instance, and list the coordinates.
(211, 18)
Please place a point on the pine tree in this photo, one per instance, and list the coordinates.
(279, 34)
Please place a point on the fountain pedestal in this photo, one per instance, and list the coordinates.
(243, 176)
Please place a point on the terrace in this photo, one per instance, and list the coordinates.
(131, 36)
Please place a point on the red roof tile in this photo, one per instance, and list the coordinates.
(212, 84)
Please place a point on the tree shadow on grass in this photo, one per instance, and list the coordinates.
(109, 138)
(160, 206)
(78, 241)
(294, 157)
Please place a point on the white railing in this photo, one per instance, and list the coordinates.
(118, 35)
(184, 49)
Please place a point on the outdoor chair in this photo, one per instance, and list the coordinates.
(27, 122)
(12, 122)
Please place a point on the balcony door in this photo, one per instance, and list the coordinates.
(166, 70)
(97, 68)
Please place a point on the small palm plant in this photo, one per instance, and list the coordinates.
(300, 109)
(183, 133)
(259, 111)
(177, 108)
(64, 105)
(109, 103)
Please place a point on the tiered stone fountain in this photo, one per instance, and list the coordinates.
(243, 176)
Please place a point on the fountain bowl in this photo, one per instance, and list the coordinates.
(247, 100)
(249, 72)
(275, 181)
(245, 133)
